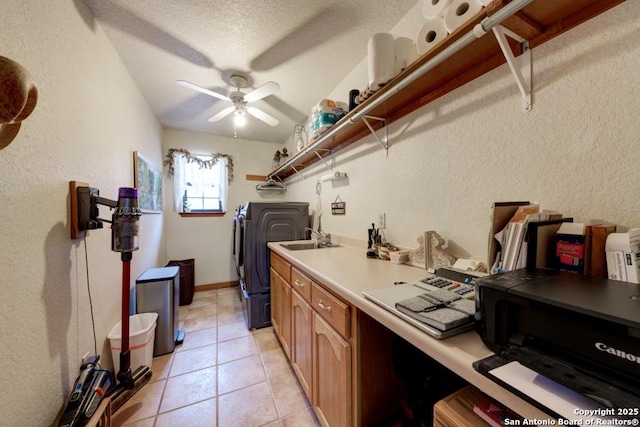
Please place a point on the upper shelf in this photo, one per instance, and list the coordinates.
(537, 22)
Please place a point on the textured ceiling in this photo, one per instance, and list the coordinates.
(306, 46)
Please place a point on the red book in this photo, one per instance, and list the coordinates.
(495, 414)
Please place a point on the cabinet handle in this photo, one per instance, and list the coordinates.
(324, 307)
(298, 284)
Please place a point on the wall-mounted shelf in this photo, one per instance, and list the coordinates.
(459, 59)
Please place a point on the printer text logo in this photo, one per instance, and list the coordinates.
(619, 353)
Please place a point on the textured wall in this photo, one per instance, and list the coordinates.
(208, 239)
(576, 151)
(89, 119)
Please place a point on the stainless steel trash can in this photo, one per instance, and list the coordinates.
(158, 291)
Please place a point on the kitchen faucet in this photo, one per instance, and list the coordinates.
(319, 235)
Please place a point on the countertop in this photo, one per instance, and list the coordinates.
(347, 272)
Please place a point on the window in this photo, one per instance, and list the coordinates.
(202, 192)
(199, 181)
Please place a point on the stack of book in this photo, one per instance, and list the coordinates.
(513, 238)
(529, 237)
(495, 414)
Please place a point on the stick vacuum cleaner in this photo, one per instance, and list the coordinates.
(94, 382)
(124, 239)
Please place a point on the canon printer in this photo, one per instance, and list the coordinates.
(579, 331)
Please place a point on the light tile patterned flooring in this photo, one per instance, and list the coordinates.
(222, 375)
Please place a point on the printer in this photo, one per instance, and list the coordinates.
(579, 331)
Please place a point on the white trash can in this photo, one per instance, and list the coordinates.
(142, 331)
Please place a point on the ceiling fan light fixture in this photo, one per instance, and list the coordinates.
(239, 118)
(240, 100)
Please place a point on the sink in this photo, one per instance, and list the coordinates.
(307, 245)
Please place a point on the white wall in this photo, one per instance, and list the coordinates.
(89, 119)
(208, 239)
(576, 151)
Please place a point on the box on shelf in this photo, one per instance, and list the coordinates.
(623, 256)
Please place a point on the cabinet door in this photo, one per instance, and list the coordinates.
(275, 301)
(285, 319)
(301, 338)
(331, 375)
(281, 310)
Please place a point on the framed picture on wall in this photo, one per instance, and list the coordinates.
(148, 180)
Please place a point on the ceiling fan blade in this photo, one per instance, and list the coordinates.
(259, 114)
(222, 114)
(265, 90)
(202, 90)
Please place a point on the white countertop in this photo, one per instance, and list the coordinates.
(347, 272)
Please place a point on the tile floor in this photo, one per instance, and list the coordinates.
(222, 375)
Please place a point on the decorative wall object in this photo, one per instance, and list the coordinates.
(338, 207)
(148, 180)
(417, 256)
(435, 253)
(169, 161)
(18, 98)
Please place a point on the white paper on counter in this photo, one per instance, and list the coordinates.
(552, 395)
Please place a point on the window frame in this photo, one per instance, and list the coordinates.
(178, 158)
(215, 169)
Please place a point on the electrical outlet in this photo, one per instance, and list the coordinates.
(382, 223)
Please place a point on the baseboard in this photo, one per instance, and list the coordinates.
(212, 286)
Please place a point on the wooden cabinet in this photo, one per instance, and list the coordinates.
(276, 313)
(301, 283)
(301, 341)
(333, 349)
(313, 327)
(281, 301)
(285, 320)
(331, 309)
(331, 375)
(281, 310)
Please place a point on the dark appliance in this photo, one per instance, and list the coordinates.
(236, 243)
(581, 332)
(255, 225)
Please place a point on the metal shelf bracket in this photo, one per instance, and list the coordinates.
(521, 66)
(322, 158)
(293, 166)
(385, 140)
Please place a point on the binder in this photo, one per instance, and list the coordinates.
(595, 239)
(501, 213)
(541, 243)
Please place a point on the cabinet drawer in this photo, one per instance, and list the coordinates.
(282, 267)
(334, 311)
(301, 283)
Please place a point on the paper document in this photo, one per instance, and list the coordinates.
(561, 400)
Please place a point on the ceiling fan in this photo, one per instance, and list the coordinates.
(240, 99)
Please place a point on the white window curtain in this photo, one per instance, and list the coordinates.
(224, 181)
(179, 180)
